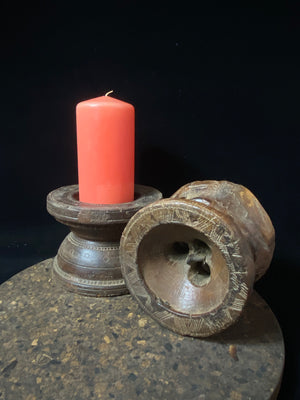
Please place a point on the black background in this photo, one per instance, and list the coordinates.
(216, 95)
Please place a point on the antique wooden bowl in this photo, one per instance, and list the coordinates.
(87, 261)
(191, 260)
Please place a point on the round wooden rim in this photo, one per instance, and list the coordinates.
(225, 237)
(64, 205)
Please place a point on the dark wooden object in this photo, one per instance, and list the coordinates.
(88, 259)
(191, 260)
(57, 345)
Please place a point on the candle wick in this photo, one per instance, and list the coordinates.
(111, 91)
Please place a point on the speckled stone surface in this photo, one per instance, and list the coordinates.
(59, 345)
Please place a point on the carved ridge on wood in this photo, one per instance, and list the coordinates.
(77, 242)
(87, 282)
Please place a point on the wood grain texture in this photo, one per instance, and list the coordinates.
(88, 259)
(191, 260)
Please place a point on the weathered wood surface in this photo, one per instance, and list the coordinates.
(57, 345)
(191, 260)
(88, 259)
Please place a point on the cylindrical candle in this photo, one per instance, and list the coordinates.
(105, 145)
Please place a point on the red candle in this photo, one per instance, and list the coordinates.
(105, 144)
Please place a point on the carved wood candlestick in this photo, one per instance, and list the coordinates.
(87, 261)
(191, 260)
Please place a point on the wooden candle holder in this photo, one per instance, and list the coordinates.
(191, 260)
(87, 261)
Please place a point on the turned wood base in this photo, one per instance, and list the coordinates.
(87, 261)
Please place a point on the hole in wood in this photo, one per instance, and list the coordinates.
(179, 250)
(182, 268)
(199, 273)
(200, 247)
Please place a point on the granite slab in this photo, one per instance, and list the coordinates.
(58, 345)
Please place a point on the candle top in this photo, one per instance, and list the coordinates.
(103, 101)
